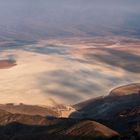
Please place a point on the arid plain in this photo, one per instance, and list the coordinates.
(66, 71)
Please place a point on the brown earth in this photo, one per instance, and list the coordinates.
(26, 127)
(5, 64)
(104, 118)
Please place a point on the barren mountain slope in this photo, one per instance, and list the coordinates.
(107, 107)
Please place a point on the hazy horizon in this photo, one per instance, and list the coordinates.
(62, 18)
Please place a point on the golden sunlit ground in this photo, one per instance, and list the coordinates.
(67, 70)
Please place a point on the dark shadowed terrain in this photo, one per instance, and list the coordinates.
(114, 117)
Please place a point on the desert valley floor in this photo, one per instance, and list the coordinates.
(66, 71)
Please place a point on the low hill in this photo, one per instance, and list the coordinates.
(113, 117)
(126, 90)
(30, 109)
(110, 106)
(90, 129)
(27, 127)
